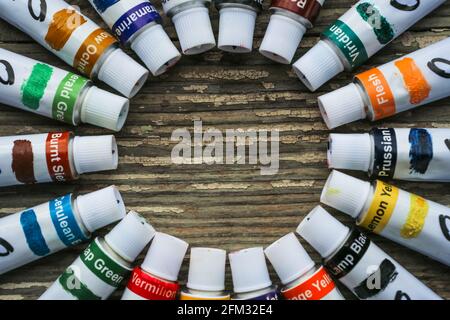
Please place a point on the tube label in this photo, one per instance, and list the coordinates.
(91, 50)
(316, 287)
(382, 206)
(103, 266)
(410, 220)
(36, 232)
(408, 82)
(36, 87)
(61, 29)
(373, 275)
(385, 156)
(64, 221)
(126, 18)
(371, 24)
(151, 288)
(134, 19)
(37, 158)
(272, 295)
(349, 255)
(348, 43)
(66, 97)
(308, 9)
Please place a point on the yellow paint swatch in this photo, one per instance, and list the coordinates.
(415, 221)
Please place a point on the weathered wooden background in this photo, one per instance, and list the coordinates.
(226, 206)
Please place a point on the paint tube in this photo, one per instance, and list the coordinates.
(156, 278)
(416, 154)
(352, 258)
(251, 279)
(237, 24)
(405, 83)
(357, 35)
(137, 23)
(419, 224)
(192, 24)
(37, 87)
(302, 280)
(63, 222)
(104, 264)
(54, 156)
(206, 279)
(288, 23)
(77, 40)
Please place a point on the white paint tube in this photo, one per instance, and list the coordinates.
(408, 219)
(352, 258)
(54, 156)
(417, 154)
(357, 35)
(51, 92)
(60, 223)
(137, 23)
(105, 264)
(408, 82)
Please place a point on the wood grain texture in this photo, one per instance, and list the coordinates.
(226, 206)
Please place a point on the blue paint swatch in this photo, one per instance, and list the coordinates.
(421, 152)
(102, 5)
(33, 233)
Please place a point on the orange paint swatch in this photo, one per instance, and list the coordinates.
(64, 23)
(91, 50)
(414, 80)
(379, 92)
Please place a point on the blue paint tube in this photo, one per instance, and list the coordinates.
(417, 154)
(60, 223)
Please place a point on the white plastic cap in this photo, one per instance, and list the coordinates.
(104, 109)
(283, 35)
(249, 270)
(349, 151)
(95, 153)
(122, 73)
(207, 269)
(289, 259)
(156, 50)
(322, 231)
(236, 28)
(318, 65)
(194, 30)
(345, 193)
(100, 208)
(342, 106)
(130, 236)
(165, 256)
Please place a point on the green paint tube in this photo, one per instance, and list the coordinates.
(54, 93)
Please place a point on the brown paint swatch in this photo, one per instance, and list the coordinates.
(23, 161)
(63, 24)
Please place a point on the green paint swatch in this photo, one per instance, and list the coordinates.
(33, 88)
(66, 97)
(103, 266)
(381, 27)
(347, 42)
(75, 287)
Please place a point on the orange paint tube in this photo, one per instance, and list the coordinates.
(416, 79)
